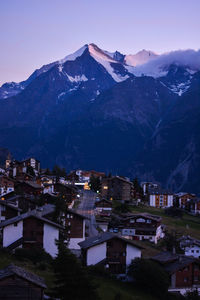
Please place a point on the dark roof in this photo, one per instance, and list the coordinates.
(159, 192)
(173, 262)
(13, 269)
(187, 241)
(143, 215)
(103, 237)
(36, 213)
(4, 202)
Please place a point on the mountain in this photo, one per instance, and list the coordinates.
(139, 58)
(92, 110)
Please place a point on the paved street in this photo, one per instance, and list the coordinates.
(86, 208)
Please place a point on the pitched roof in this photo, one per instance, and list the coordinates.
(103, 237)
(173, 262)
(36, 213)
(13, 269)
(4, 202)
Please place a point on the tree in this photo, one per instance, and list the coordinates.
(59, 172)
(95, 183)
(30, 171)
(148, 275)
(72, 281)
(137, 188)
(171, 241)
(192, 295)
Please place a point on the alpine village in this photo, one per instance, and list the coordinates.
(84, 234)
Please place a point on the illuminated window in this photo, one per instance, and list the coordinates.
(105, 187)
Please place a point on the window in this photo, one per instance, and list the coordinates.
(186, 279)
(69, 223)
(196, 278)
(15, 224)
(197, 251)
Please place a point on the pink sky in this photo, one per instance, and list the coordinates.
(36, 32)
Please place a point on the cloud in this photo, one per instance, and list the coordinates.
(159, 66)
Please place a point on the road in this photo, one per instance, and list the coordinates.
(86, 208)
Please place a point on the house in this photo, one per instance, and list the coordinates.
(190, 246)
(48, 188)
(182, 199)
(111, 250)
(29, 188)
(6, 185)
(30, 229)
(18, 283)
(75, 224)
(146, 186)
(160, 198)
(69, 192)
(117, 188)
(72, 221)
(184, 271)
(141, 226)
(194, 206)
(8, 210)
(103, 206)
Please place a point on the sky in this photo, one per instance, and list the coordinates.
(37, 32)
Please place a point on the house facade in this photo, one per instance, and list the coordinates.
(190, 246)
(116, 188)
(138, 226)
(160, 198)
(184, 271)
(30, 230)
(75, 224)
(113, 251)
(17, 283)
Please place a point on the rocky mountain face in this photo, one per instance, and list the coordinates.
(93, 110)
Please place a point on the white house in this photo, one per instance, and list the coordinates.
(29, 230)
(190, 246)
(113, 251)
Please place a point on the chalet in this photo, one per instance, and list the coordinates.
(146, 186)
(84, 176)
(75, 224)
(194, 206)
(6, 185)
(190, 246)
(113, 251)
(8, 210)
(103, 206)
(17, 283)
(23, 202)
(182, 199)
(184, 271)
(29, 188)
(69, 192)
(160, 198)
(141, 226)
(30, 230)
(48, 188)
(32, 162)
(117, 188)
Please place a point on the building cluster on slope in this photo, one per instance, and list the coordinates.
(28, 205)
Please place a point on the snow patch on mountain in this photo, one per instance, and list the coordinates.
(104, 59)
(74, 55)
(77, 78)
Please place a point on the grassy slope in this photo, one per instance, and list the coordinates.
(107, 288)
(188, 225)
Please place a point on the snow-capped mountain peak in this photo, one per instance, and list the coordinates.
(74, 55)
